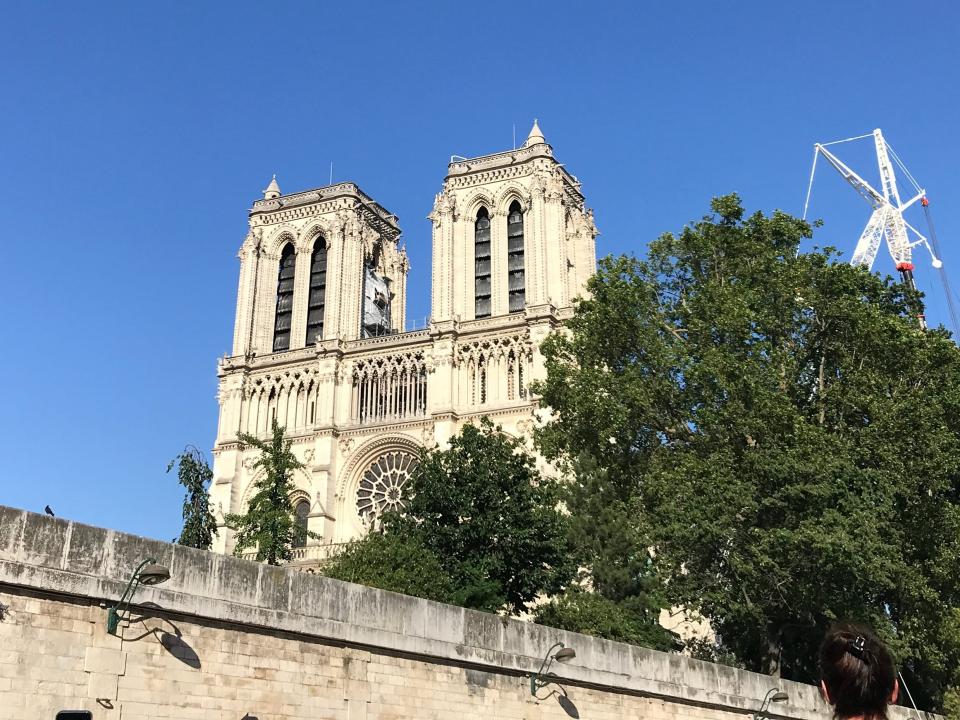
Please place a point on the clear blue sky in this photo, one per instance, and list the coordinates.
(134, 137)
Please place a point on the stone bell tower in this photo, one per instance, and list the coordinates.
(303, 249)
(319, 270)
(513, 245)
(510, 231)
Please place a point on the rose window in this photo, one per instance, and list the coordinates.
(381, 487)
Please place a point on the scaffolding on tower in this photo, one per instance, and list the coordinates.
(887, 222)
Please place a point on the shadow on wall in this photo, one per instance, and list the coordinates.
(178, 647)
(563, 699)
(568, 707)
(172, 642)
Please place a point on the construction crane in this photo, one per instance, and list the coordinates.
(887, 221)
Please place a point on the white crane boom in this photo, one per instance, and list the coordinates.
(887, 221)
(864, 188)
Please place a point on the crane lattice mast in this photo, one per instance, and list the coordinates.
(887, 221)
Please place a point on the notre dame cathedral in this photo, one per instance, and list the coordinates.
(319, 341)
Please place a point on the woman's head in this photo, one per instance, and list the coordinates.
(857, 673)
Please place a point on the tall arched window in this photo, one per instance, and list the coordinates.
(481, 257)
(318, 288)
(300, 514)
(516, 281)
(281, 325)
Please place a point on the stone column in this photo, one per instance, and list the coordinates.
(301, 288)
(443, 216)
(224, 493)
(398, 306)
(350, 298)
(241, 325)
(554, 257)
(440, 378)
(535, 243)
(328, 362)
(463, 283)
(539, 330)
(230, 396)
(499, 287)
(265, 308)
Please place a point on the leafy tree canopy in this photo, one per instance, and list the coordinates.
(784, 435)
(625, 592)
(268, 524)
(393, 562)
(482, 512)
(593, 613)
(199, 523)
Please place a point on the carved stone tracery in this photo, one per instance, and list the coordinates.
(389, 387)
(381, 486)
(497, 369)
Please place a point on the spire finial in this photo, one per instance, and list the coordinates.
(536, 136)
(273, 190)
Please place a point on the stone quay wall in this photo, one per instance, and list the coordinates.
(229, 639)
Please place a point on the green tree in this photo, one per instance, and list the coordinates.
(626, 594)
(786, 436)
(194, 473)
(592, 613)
(268, 524)
(484, 510)
(480, 510)
(393, 562)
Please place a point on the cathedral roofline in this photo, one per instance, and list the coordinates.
(534, 147)
(388, 220)
(464, 166)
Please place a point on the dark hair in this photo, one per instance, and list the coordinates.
(858, 671)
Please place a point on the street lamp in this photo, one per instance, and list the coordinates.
(147, 573)
(542, 678)
(774, 695)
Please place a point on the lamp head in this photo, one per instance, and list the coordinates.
(779, 697)
(565, 654)
(154, 574)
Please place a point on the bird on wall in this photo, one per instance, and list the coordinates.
(48, 511)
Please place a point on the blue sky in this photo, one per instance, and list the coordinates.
(134, 137)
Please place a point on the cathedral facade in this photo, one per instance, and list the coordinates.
(320, 345)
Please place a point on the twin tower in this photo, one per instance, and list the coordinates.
(319, 342)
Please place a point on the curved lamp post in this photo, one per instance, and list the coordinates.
(147, 573)
(774, 695)
(541, 679)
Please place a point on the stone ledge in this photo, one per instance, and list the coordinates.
(63, 557)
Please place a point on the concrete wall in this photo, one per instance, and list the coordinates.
(232, 639)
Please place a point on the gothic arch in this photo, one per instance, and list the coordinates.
(301, 495)
(301, 480)
(475, 202)
(309, 235)
(280, 237)
(510, 193)
(366, 454)
(349, 523)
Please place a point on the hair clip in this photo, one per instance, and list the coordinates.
(857, 646)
